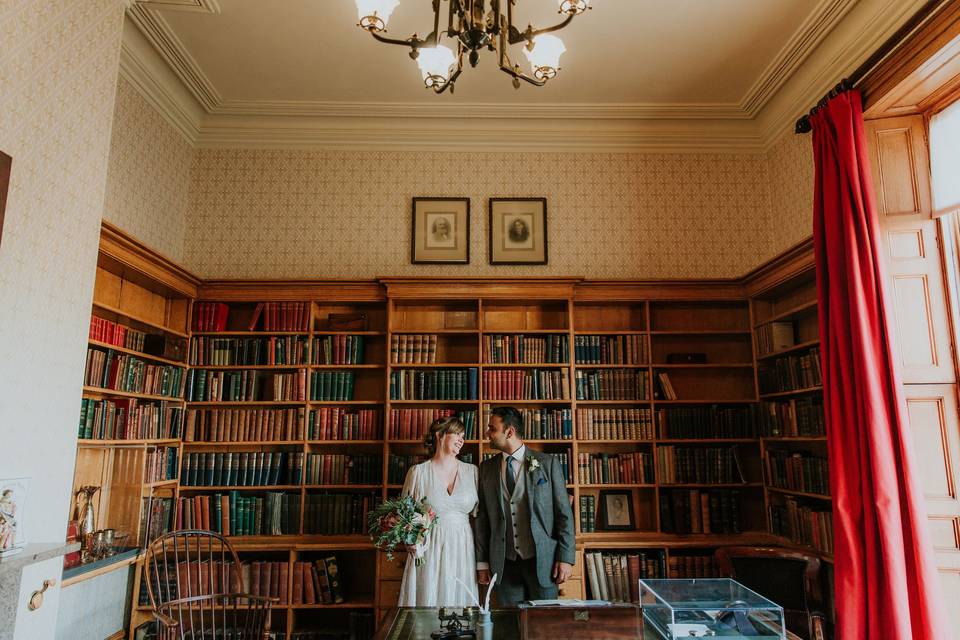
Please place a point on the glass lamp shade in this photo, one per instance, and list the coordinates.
(374, 14)
(435, 64)
(574, 6)
(544, 57)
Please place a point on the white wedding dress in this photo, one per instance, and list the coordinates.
(449, 546)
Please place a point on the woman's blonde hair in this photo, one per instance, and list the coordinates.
(439, 428)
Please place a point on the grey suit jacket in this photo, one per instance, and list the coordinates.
(551, 520)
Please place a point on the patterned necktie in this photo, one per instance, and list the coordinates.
(511, 475)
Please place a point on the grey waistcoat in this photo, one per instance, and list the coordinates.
(516, 511)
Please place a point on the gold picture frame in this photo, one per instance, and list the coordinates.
(518, 230)
(441, 231)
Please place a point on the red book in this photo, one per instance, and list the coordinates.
(255, 578)
(266, 578)
(298, 583)
(284, 582)
(275, 578)
(309, 595)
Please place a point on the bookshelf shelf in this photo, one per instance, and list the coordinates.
(668, 441)
(614, 403)
(523, 402)
(717, 365)
(584, 365)
(433, 365)
(349, 333)
(441, 332)
(613, 441)
(610, 485)
(344, 442)
(788, 313)
(520, 332)
(259, 487)
(797, 347)
(555, 441)
(250, 403)
(344, 605)
(344, 487)
(802, 494)
(708, 401)
(794, 392)
(344, 366)
(139, 354)
(241, 443)
(436, 402)
(711, 485)
(257, 367)
(93, 443)
(797, 439)
(100, 392)
(701, 332)
(134, 317)
(350, 403)
(609, 332)
(525, 365)
(253, 334)
(160, 484)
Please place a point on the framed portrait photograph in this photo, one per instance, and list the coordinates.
(616, 511)
(518, 230)
(441, 231)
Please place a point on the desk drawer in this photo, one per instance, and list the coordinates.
(389, 593)
(392, 569)
(553, 623)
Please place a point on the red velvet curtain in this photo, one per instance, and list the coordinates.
(886, 579)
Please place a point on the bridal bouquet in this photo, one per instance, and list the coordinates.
(402, 522)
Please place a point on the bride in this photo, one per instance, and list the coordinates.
(450, 486)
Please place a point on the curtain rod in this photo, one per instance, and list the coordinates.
(885, 49)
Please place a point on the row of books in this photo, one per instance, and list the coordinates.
(803, 524)
(338, 349)
(699, 465)
(276, 350)
(317, 582)
(103, 330)
(588, 513)
(243, 425)
(616, 576)
(337, 423)
(796, 417)
(417, 348)
(774, 336)
(622, 349)
(327, 468)
(697, 511)
(326, 386)
(715, 421)
(798, 472)
(205, 385)
(412, 424)
(210, 316)
(526, 384)
(266, 316)
(615, 468)
(612, 384)
(109, 369)
(614, 424)
(520, 349)
(338, 513)
(542, 424)
(693, 566)
(241, 469)
(439, 384)
(128, 419)
(160, 464)
(790, 373)
(236, 514)
(156, 519)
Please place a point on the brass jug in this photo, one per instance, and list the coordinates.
(86, 516)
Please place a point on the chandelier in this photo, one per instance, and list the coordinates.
(474, 25)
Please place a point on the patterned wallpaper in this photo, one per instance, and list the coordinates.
(340, 214)
(148, 176)
(58, 70)
(790, 180)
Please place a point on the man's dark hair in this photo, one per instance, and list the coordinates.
(510, 418)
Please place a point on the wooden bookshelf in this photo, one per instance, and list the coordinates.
(702, 338)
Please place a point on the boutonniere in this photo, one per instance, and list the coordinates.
(532, 464)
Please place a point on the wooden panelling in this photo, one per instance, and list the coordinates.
(899, 161)
(905, 244)
(915, 332)
(944, 533)
(933, 424)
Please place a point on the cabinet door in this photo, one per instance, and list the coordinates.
(42, 622)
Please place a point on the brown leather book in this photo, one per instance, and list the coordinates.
(284, 593)
(298, 583)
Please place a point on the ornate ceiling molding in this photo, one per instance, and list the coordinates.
(810, 63)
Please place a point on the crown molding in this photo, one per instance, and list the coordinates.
(652, 136)
(818, 25)
(197, 6)
(159, 33)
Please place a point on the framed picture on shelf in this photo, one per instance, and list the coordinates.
(441, 231)
(518, 230)
(616, 511)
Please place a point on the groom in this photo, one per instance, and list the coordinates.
(524, 525)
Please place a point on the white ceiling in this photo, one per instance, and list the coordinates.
(279, 66)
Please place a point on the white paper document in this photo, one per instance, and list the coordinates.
(569, 603)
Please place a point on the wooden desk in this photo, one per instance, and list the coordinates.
(530, 623)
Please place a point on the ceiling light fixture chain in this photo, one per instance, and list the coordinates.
(475, 25)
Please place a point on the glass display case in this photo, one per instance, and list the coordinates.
(702, 608)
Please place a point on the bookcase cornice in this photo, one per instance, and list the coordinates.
(542, 288)
(268, 290)
(598, 290)
(126, 256)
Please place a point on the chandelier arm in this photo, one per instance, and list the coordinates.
(520, 75)
(516, 36)
(414, 43)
